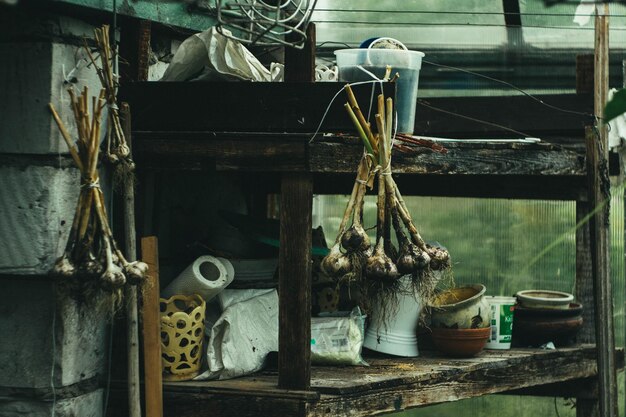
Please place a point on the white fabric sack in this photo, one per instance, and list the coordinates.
(209, 55)
(243, 336)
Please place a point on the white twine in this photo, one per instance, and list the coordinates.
(91, 184)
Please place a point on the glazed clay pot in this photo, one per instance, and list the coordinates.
(544, 299)
(461, 308)
(534, 327)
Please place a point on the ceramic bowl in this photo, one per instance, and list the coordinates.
(460, 343)
(544, 299)
(460, 308)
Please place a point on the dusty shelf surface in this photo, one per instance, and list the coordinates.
(388, 384)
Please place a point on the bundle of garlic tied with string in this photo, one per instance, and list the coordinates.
(91, 250)
(352, 256)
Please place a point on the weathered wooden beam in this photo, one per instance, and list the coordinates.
(597, 154)
(194, 150)
(294, 107)
(135, 49)
(130, 291)
(294, 271)
(584, 273)
(299, 106)
(471, 382)
(583, 389)
(300, 63)
(462, 158)
(392, 384)
(151, 330)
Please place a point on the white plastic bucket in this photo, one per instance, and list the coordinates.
(354, 65)
(501, 322)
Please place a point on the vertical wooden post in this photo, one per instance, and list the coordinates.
(584, 73)
(584, 274)
(135, 48)
(130, 294)
(294, 264)
(153, 382)
(294, 271)
(597, 154)
(584, 294)
(300, 63)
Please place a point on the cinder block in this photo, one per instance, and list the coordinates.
(44, 328)
(37, 205)
(31, 76)
(86, 405)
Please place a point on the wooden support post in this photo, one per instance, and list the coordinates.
(151, 326)
(135, 49)
(584, 274)
(300, 63)
(130, 294)
(294, 270)
(597, 171)
(294, 263)
(585, 407)
(584, 73)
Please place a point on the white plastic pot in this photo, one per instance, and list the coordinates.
(398, 335)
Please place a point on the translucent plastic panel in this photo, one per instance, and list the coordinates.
(494, 242)
(432, 23)
(554, 28)
(508, 245)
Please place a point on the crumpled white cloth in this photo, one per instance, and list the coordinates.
(210, 55)
(244, 334)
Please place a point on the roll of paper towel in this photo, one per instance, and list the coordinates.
(206, 276)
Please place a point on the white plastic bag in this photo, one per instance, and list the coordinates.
(209, 55)
(337, 340)
(244, 334)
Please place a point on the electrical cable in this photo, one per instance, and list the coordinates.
(457, 24)
(451, 12)
(508, 84)
(462, 116)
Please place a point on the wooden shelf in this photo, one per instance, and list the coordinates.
(469, 169)
(180, 126)
(388, 384)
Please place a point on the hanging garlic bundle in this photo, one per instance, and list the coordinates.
(117, 149)
(384, 264)
(91, 250)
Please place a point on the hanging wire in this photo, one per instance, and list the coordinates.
(508, 84)
(449, 24)
(450, 12)
(462, 116)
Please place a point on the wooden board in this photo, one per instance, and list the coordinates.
(293, 152)
(300, 106)
(151, 329)
(461, 159)
(242, 106)
(388, 384)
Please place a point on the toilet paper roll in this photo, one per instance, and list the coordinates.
(206, 276)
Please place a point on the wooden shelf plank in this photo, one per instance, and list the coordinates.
(462, 159)
(288, 153)
(390, 384)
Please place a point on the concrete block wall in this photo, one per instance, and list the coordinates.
(49, 337)
(50, 329)
(37, 204)
(85, 405)
(33, 74)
